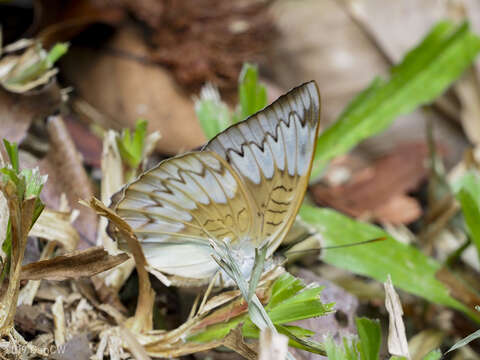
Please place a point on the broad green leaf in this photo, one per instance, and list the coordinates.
(469, 197)
(410, 269)
(465, 341)
(252, 96)
(433, 355)
(370, 336)
(424, 74)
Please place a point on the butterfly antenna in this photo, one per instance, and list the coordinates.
(365, 242)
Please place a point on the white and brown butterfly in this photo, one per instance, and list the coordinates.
(244, 187)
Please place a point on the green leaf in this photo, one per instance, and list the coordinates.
(433, 355)
(370, 336)
(465, 341)
(56, 53)
(410, 269)
(41, 66)
(213, 114)
(12, 151)
(348, 350)
(252, 96)
(290, 300)
(131, 148)
(424, 74)
(468, 195)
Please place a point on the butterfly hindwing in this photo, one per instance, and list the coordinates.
(177, 206)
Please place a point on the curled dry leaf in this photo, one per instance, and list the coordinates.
(143, 318)
(379, 190)
(397, 337)
(66, 174)
(124, 85)
(73, 265)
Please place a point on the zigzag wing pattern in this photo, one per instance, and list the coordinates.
(272, 153)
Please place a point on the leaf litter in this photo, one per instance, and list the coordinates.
(72, 300)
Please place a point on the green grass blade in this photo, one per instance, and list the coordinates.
(410, 269)
(424, 74)
(370, 338)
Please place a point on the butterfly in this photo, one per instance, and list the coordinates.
(244, 188)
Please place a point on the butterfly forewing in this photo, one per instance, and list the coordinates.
(245, 187)
(272, 153)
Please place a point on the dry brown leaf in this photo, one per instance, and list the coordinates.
(397, 336)
(124, 87)
(458, 289)
(66, 175)
(17, 111)
(72, 265)
(379, 190)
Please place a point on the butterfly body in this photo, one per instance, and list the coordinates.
(244, 188)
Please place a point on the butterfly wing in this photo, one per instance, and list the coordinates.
(245, 185)
(272, 153)
(177, 206)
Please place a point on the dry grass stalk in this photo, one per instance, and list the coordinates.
(143, 318)
(21, 216)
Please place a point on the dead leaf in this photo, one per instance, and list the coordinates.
(379, 190)
(77, 348)
(397, 337)
(66, 174)
(272, 346)
(59, 329)
(124, 87)
(458, 289)
(72, 265)
(31, 319)
(18, 111)
(87, 143)
(468, 90)
(321, 41)
(56, 226)
(143, 318)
